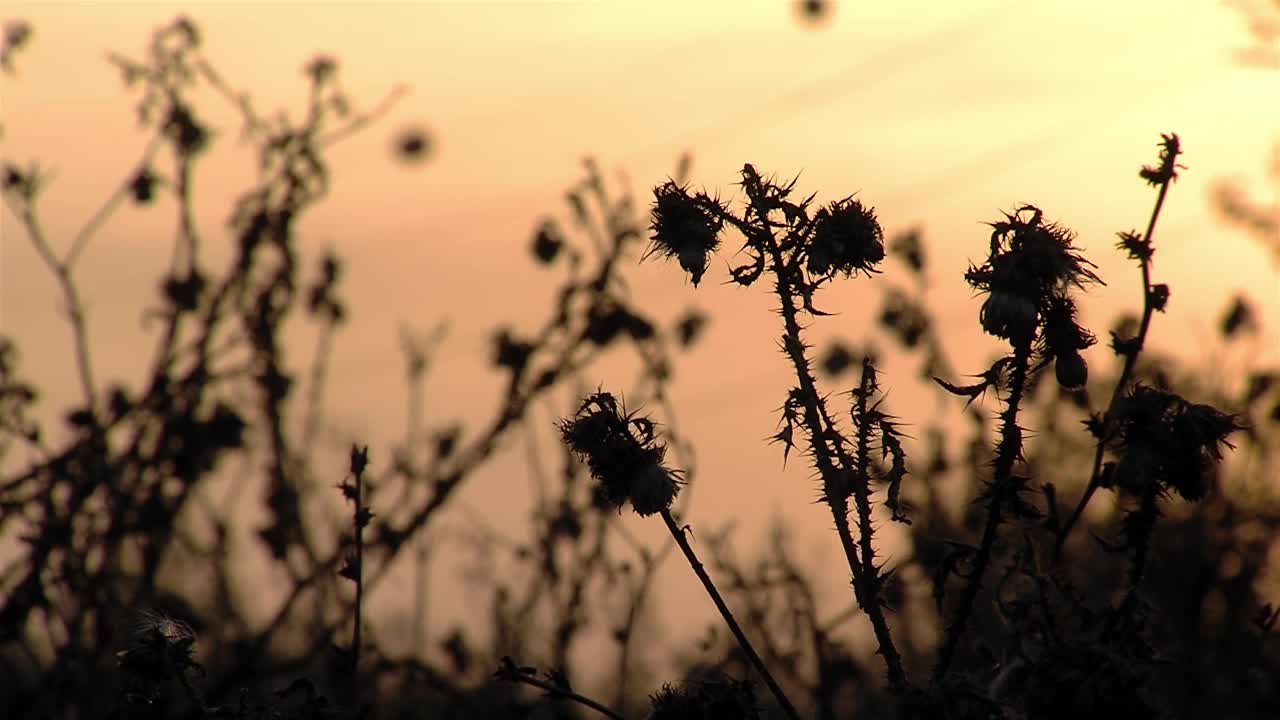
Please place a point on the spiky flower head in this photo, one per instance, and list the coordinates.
(623, 455)
(1031, 258)
(1164, 439)
(1062, 340)
(1031, 263)
(686, 227)
(847, 238)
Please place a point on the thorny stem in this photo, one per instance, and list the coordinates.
(998, 495)
(865, 584)
(1144, 519)
(678, 533)
(870, 573)
(1130, 362)
(361, 515)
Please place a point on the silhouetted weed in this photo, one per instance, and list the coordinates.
(1007, 595)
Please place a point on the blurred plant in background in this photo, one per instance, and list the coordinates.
(1259, 218)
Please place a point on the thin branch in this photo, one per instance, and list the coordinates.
(1130, 364)
(108, 208)
(752, 655)
(61, 271)
(561, 692)
(998, 494)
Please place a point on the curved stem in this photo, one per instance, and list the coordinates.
(556, 691)
(1130, 363)
(62, 272)
(752, 655)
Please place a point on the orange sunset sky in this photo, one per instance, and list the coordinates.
(939, 114)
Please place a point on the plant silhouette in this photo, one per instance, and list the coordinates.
(1098, 542)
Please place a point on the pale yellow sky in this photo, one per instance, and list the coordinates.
(939, 113)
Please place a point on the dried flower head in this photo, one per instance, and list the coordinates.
(1031, 258)
(1062, 339)
(653, 488)
(1029, 268)
(623, 454)
(846, 238)
(686, 227)
(1166, 171)
(1008, 316)
(1164, 439)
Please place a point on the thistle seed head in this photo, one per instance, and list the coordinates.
(1163, 438)
(686, 227)
(623, 455)
(1031, 258)
(847, 238)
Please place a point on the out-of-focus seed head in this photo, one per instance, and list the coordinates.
(686, 227)
(547, 242)
(511, 352)
(142, 186)
(185, 131)
(689, 327)
(1237, 318)
(413, 145)
(814, 12)
(909, 247)
(847, 238)
(321, 69)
